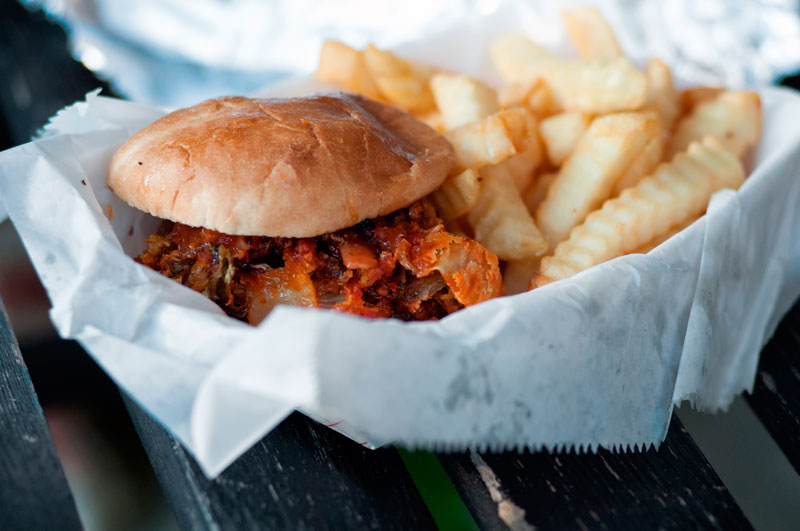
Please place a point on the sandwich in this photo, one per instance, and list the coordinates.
(317, 202)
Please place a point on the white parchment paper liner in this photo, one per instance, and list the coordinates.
(595, 360)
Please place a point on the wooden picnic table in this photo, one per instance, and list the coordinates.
(303, 475)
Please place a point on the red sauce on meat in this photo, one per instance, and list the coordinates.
(403, 265)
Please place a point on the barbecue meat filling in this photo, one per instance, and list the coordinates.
(403, 265)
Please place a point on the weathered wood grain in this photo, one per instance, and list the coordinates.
(776, 394)
(33, 489)
(300, 476)
(672, 488)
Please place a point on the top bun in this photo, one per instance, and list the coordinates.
(296, 167)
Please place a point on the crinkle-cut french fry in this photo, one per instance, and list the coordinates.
(588, 176)
(518, 59)
(344, 66)
(457, 194)
(402, 83)
(513, 94)
(501, 222)
(523, 165)
(661, 238)
(661, 94)
(494, 138)
(591, 34)
(481, 143)
(689, 98)
(561, 132)
(522, 128)
(541, 101)
(590, 86)
(434, 120)
(536, 191)
(533, 94)
(733, 118)
(599, 86)
(538, 280)
(407, 92)
(677, 191)
(385, 63)
(517, 275)
(644, 164)
(462, 100)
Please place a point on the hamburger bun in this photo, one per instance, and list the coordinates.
(296, 167)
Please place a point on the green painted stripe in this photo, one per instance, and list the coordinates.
(437, 490)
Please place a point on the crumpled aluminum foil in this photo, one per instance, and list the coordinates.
(173, 52)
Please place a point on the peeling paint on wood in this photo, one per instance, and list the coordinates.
(510, 513)
(673, 488)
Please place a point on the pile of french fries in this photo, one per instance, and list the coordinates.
(572, 162)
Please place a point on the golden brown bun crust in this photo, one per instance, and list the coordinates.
(283, 167)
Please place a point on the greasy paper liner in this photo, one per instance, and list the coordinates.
(595, 360)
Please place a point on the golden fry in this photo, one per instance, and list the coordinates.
(382, 63)
(591, 34)
(434, 119)
(514, 94)
(493, 139)
(689, 98)
(733, 118)
(501, 222)
(590, 86)
(462, 100)
(458, 194)
(536, 191)
(407, 92)
(658, 240)
(677, 191)
(661, 94)
(519, 60)
(403, 83)
(561, 133)
(588, 176)
(523, 166)
(538, 280)
(533, 94)
(541, 101)
(644, 164)
(604, 126)
(344, 66)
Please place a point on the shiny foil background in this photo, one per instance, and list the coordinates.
(174, 52)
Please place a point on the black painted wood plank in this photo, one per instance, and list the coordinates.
(672, 488)
(301, 475)
(776, 394)
(33, 489)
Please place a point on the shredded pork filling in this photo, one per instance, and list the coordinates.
(404, 265)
